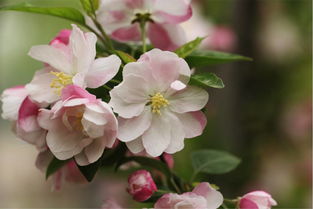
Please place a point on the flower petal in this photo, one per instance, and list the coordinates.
(12, 99)
(130, 129)
(166, 36)
(39, 88)
(189, 99)
(129, 33)
(214, 198)
(53, 56)
(135, 146)
(193, 123)
(157, 138)
(177, 134)
(102, 71)
(83, 46)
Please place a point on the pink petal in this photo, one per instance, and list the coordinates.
(131, 33)
(73, 91)
(102, 71)
(247, 204)
(62, 37)
(193, 123)
(214, 198)
(27, 109)
(174, 17)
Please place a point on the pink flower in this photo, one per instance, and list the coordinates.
(256, 200)
(68, 173)
(117, 16)
(157, 110)
(74, 63)
(141, 185)
(17, 107)
(202, 197)
(79, 126)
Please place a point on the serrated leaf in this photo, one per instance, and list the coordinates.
(54, 165)
(213, 161)
(207, 58)
(63, 12)
(188, 48)
(126, 58)
(207, 80)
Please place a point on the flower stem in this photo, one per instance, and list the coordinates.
(143, 35)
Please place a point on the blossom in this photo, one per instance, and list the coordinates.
(202, 196)
(256, 200)
(74, 63)
(79, 126)
(157, 110)
(120, 20)
(141, 185)
(69, 172)
(18, 108)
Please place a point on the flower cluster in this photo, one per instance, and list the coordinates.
(93, 104)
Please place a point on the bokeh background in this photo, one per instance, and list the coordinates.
(263, 115)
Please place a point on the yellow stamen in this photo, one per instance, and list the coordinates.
(61, 80)
(158, 102)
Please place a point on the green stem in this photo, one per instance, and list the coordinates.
(175, 185)
(143, 35)
(224, 206)
(106, 87)
(194, 175)
(115, 81)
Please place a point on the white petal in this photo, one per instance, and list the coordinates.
(92, 152)
(157, 138)
(193, 123)
(189, 99)
(102, 71)
(12, 99)
(135, 146)
(55, 57)
(39, 88)
(83, 47)
(214, 198)
(130, 129)
(177, 134)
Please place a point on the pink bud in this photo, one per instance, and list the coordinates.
(256, 200)
(141, 185)
(63, 37)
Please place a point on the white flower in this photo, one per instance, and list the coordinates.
(70, 64)
(157, 110)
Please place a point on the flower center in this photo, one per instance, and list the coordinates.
(158, 102)
(61, 80)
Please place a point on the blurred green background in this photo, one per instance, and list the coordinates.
(263, 115)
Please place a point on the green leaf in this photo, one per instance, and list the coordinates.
(206, 58)
(108, 158)
(63, 12)
(90, 6)
(54, 165)
(149, 162)
(188, 48)
(207, 80)
(127, 58)
(89, 171)
(213, 162)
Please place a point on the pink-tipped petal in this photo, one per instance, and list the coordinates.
(102, 71)
(193, 123)
(131, 33)
(73, 91)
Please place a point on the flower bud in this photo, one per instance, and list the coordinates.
(256, 200)
(141, 185)
(63, 37)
